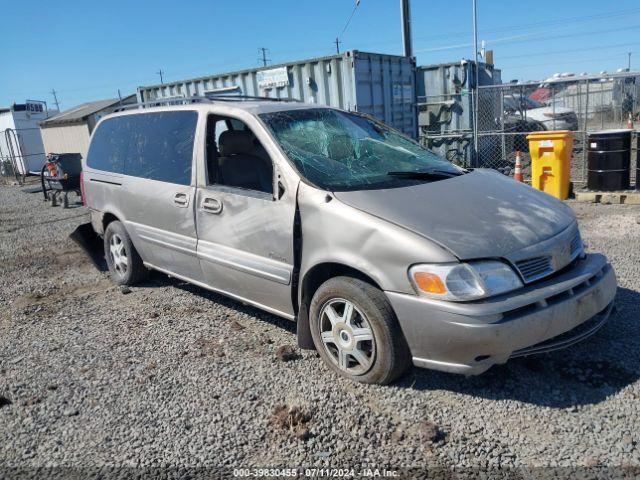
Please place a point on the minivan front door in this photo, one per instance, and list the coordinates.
(245, 245)
(245, 231)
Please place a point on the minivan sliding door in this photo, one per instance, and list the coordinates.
(159, 193)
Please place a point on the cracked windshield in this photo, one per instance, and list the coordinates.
(337, 150)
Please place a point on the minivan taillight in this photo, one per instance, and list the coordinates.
(82, 197)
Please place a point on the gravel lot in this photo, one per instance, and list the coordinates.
(172, 375)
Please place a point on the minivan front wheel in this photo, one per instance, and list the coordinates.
(356, 331)
(125, 265)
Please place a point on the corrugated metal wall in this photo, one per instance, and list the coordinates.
(72, 138)
(380, 85)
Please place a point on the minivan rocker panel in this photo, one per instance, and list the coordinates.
(384, 254)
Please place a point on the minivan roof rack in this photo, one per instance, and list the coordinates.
(159, 102)
(231, 97)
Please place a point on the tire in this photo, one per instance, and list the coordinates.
(125, 265)
(380, 360)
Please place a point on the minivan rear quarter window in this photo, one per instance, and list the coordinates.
(157, 146)
(109, 146)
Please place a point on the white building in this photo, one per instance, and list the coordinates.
(21, 144)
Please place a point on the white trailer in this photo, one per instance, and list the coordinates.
(21, 146)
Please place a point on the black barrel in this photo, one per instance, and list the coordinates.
(609, 160)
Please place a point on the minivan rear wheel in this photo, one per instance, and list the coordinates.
(125, 265)
(356, 331)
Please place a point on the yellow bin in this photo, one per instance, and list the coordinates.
(551, 161)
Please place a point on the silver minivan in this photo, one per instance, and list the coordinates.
(384, 254)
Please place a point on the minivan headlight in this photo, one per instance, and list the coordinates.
(463, 281)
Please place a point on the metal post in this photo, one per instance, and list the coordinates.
(475, 86)
(553, 104)
(55, 99)
(405, 14)
(584, 139)
(601, 105)
(264, 58)
(503, 143)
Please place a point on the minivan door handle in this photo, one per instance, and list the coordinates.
(211, 205)
(181, 199)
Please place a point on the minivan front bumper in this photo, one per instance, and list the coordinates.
(470, 337)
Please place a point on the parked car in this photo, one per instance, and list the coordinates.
(542, 117)
(382, 252)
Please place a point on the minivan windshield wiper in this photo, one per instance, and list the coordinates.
(426, 174)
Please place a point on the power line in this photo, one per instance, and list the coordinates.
(528, 26)
(573, 50)
(338, 42)
(355, 7)
(567, 62)
(528, 37)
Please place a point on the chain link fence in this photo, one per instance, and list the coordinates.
(507, 113)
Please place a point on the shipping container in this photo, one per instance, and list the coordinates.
(380, 85)
(445, 107)
(444, 94)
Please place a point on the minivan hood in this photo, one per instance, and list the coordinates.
(481, 214)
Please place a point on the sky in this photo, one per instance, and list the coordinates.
(88, 50)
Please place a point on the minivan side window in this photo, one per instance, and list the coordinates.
(109, 146)
(235, 156)
(157, 146)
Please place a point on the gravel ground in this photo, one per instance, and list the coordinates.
(172, 375)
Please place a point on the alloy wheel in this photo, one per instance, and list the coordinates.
(118, 254)
(347, 336)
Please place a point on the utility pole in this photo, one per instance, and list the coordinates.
(55, 99)
(161, 72)
(475, 82)
(338, 42)
(405, 17)
(629, 61)
(264, 58)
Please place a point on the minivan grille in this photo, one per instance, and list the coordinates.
(534, 268)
